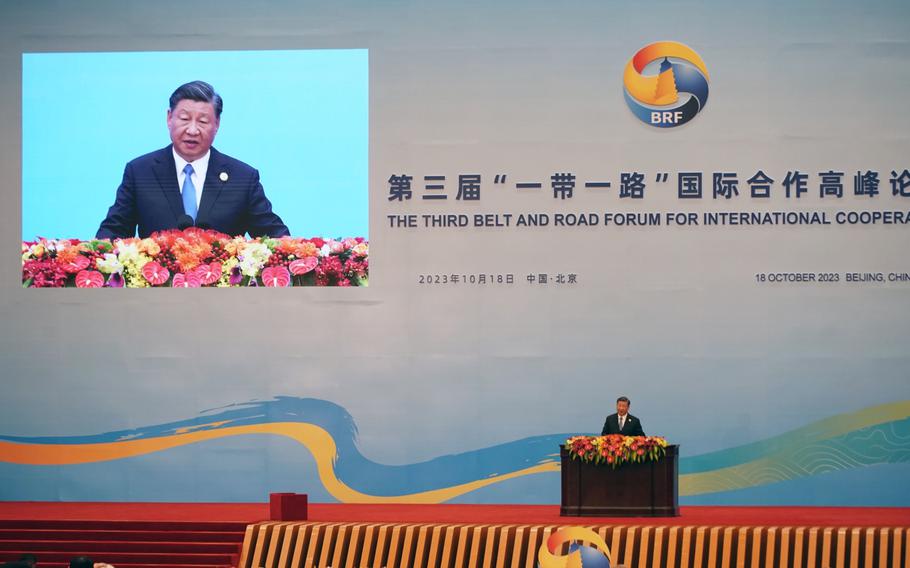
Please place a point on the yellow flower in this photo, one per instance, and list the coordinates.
(149, 247)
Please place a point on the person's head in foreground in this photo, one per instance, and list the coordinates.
(82, 562)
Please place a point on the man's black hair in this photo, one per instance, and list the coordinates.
(82, 562)
(198, 91)
(624, 399)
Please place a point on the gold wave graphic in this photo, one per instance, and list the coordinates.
(800, 454)
(317, 440)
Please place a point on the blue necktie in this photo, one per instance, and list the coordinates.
(189, 192)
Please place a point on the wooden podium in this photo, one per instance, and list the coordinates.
(648, 489)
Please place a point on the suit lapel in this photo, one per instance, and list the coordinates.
(213, 185)
(166, 173)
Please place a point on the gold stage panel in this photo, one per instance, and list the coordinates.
(429, 545)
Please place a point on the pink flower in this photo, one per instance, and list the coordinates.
(209, 273)
(89, 279)
(155, 274)
(303, 265)
(188, 280)
(276, 277)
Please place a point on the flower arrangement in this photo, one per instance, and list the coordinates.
(616, 449)
(195, 258)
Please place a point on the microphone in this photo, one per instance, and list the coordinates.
(184, 222)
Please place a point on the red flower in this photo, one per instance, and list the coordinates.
(276, 277)
(73, 266)
(155, 273)
(89, 279)
(43, 274)
(357, 267)
(328, 272)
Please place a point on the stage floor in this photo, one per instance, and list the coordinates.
(456, 514)
(469, 536)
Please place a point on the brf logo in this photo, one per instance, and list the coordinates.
(673, 91)
(586, 550)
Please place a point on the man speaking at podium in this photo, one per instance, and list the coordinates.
(622, 422)
(189, 182)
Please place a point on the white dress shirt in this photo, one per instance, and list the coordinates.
(200, 167)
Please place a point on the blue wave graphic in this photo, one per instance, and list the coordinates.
(885, 443)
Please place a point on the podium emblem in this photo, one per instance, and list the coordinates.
(586, 549)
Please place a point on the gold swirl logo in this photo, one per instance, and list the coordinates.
(586, 549)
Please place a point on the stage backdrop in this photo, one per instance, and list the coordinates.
(541, 243)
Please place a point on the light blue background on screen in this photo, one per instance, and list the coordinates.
(299, 117)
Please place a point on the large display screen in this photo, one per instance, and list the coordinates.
(97, 161)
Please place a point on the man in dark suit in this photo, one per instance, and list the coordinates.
(190, 178)
(622, 422)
